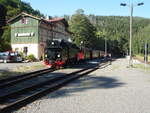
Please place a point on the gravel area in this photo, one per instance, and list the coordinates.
(111, 89)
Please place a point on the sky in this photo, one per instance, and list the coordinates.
(96, 7)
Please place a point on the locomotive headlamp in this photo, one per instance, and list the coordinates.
(53, 43)
(58, 55)
(46, 55)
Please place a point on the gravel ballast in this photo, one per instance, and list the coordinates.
(112, 89)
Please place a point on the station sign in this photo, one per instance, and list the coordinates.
(24, 34)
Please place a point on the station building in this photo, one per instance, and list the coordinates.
(29, 34)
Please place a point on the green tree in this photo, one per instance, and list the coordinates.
(6, 39)
(142, 37)
(79, 11)
(82, 29)
(2, 24)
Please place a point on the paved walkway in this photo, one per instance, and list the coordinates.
(113, 89)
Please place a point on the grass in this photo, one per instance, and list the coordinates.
(28, 68)
(141, 66)
(141, 57)
(4, 74)
(20, 70)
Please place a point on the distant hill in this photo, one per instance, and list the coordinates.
(116, 30)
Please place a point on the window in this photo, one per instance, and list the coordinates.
(24, 20)
(25, 50)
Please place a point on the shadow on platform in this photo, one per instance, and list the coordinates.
(87, 83)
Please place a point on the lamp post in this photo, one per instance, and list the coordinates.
(131, 6)
(105, 47)
(81, 44)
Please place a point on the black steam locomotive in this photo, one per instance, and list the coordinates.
(60, 53)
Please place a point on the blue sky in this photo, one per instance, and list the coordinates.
(97, 7)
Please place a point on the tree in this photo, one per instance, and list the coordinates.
(67, 17)
(142, 37)
(79, 11)
(6, 39)
(2, 23)
(82, 29)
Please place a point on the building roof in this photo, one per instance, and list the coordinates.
(53, 20)
(22, 13)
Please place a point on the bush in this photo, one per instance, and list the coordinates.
(41, 58)
(31, 57)
(22, 54)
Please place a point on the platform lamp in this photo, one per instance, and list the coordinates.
(131, 6)
(81, 44)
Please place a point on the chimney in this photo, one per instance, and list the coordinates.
(48, 17)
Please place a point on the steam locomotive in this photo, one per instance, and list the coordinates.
(61, 53)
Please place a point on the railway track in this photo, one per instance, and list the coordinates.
(21, 97)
